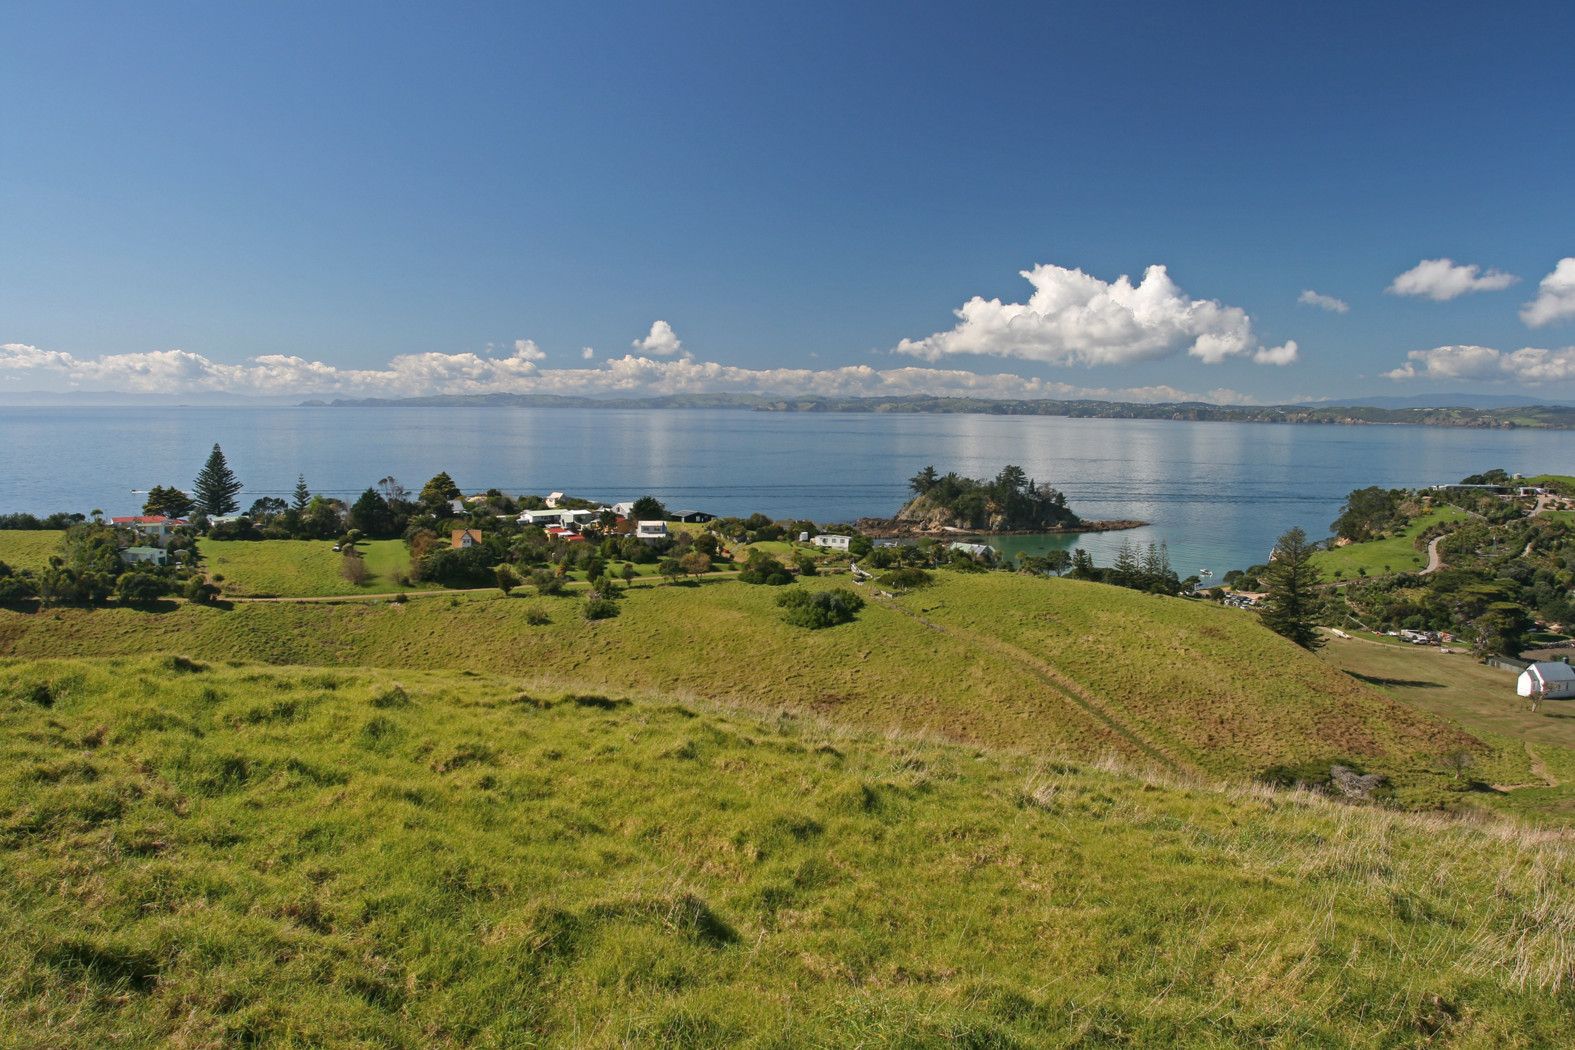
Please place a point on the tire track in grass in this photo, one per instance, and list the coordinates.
(1060, 684)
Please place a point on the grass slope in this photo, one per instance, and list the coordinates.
(301, 568)
(992, 659)
(29, 548)
(1397, 553)
(206, 856)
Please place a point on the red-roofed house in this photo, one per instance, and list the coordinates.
(464, 538)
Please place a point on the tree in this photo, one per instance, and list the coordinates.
(436, 494)
(695, 564)
(923, 481)
(507, 578)
(353, 568)
(139, 588)
(1292, 603)
(267, 507)
(371, 514)
(817, 609)
(671, 568)
(171, 502)
(216, 486)
(649, 508)
(302, 496)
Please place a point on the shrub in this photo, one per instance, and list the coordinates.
(816, 609)
(140, 588)
(353, 569)
(537, 616)
(763, 568)
(200, 592)
(546, 582)
(599, 608)
(907, 579)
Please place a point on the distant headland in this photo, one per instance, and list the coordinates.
(1500, 417)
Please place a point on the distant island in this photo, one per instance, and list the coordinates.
(1011, 502)
(1556, 417)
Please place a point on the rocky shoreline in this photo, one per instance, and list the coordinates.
(894, 528)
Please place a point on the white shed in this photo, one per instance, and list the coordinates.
(1551, 678)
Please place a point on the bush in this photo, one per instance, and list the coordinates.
(546, 582)
(816, 609)
(763, 568)
(140, 588)
(537, 616)
(906, 579)
(200, 592)
(353, 568)
(598, 608)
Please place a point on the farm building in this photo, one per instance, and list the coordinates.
(464, 538)
(832, 541)
(1552, 679)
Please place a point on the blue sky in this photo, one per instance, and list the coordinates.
(799, 188)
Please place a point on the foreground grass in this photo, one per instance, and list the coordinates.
(1397, 553)
(302, 568)
(29, 548)
(206, 856)
(992, 659)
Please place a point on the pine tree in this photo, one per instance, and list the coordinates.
(302, 495)
(1290, 579)
(216, 486)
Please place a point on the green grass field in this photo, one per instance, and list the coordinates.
(28, 548)
(991, 659)
(301, 568)
(1397, 553)
(1481, 699)
(204, 855)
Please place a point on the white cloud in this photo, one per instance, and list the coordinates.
(527, 350)
(1555, 299)
(179, 371)
(1323, 302)
(586, 353)
(1276, 355)
(662, 341)
(1441, 279)
(1073, 318)
(1527, 365)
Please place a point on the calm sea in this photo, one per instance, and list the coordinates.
(1217, 493)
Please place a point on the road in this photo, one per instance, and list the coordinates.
(1435, 560)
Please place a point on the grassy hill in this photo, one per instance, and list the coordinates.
(243, 856)
(991, 659)
(29, 548)
(302, 568)
(1397, 553)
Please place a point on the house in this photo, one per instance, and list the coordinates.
(542, 517)
(577, 517)
(623, 510)
(558, 532)
(832, 541)
(456, 506)
(698, 517)
(553, 499)
(465, 538)
(155, 528)
(149, 555)
(973, 550)
(1551, 678)
(651, 531)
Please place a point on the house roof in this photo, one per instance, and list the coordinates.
(147, 519)
(1553, 671)
(460, 534)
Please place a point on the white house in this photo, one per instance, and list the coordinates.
(456, 506)
(577, 517)
(155, 528)
(542, 517)
(1552, 679)
(153, 555)
(832, 541)
(651, 531)
(623, 510)
(973, 550)
(554, 498)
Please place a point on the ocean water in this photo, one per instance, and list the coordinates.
(1216, 493)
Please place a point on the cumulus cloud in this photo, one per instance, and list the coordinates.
(1529, 364)
(1323, 302)
(1555, 299)
(1073, 318)
(586, 353)
(1442, 279)
(1283, 354)
(662, 341)
(179, 371)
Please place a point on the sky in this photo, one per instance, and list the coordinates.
(1236, 202)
